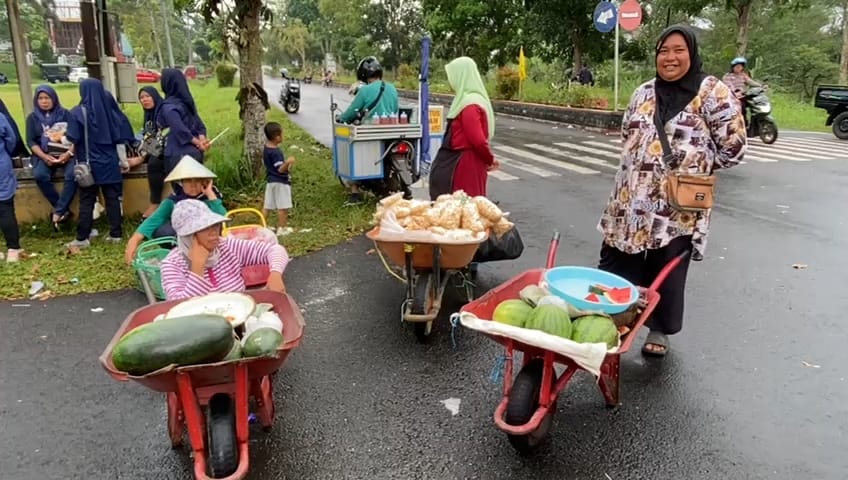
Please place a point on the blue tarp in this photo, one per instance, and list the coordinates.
(423, 104)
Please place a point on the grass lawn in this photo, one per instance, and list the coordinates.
(317, 196)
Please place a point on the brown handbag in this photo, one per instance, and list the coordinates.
(686, 192)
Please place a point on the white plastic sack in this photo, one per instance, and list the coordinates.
(588, 355)
(392, 231)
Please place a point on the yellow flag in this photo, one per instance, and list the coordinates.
(522, 64)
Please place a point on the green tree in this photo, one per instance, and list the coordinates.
(242, 21)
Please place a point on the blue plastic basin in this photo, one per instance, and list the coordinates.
(572, 285)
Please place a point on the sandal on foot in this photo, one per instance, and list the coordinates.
(656, 339)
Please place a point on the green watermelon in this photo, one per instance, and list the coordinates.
(188, 340)
(512, 312)
(235, 352)
(595, 329)
(550, 319)
(263, 341)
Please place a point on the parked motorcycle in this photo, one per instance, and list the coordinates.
(761, 122)
(290, 95)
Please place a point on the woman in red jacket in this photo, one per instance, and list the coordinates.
(464, 159)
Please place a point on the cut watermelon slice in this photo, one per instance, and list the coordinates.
(592, 298)
(618, 295)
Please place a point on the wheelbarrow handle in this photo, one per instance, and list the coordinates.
(668, 268)
(252, 211)
(552, 251)
(156, 242)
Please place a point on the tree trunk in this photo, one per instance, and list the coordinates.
(743, 22)
(577, 50)
(252, 95)
(843, 66)
(156, 40)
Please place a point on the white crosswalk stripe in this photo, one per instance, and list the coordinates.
(553, 163)
(502, 176)
(526, 167)
(598, 154)
(561, 153)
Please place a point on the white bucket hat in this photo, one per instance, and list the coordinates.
(189, 168)
(191, 216)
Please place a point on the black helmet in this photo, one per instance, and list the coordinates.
(368, 67)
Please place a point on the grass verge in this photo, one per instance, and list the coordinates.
(318, 217)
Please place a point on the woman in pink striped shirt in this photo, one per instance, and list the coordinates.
(204, 262)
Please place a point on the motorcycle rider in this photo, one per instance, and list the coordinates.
(383, 95)
(738, 80)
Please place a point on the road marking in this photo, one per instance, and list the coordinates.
(502, 176)
(784, 154)
(608, 146)
(759, 159)
(556, 151)
(803, 147)
(593, 151)
(526, 167)
(546, 161)
(813, 155)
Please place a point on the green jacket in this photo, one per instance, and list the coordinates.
(162, 215)
(388, 103)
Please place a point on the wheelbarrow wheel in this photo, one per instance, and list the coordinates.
(522, 404)
(422, 303)
(223, 451)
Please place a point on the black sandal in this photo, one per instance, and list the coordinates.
(656, 339)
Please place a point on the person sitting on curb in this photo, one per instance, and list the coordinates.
(197, 183)
(205, 262)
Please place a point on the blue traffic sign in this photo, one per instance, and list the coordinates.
(605, 16)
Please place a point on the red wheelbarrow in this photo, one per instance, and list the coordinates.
(529, 401)
(218, 436)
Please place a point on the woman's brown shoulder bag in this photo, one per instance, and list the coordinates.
(686, 192)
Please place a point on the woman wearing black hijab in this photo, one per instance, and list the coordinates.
(151, 102)
(178, 113)
(705, 131)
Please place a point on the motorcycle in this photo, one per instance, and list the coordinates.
(399, 168)
(761, 122)
(290, 95)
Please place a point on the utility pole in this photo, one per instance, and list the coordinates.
(16, 30)
(166, 14)
(88, 18)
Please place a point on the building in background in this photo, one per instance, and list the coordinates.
(66, 34)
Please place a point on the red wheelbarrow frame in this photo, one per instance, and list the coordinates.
(188, 389)
(551, 385)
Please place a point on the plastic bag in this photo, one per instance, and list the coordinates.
(508, 247)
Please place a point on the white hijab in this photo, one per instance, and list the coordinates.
(185, 242)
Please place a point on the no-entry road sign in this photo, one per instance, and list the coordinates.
(630, 15)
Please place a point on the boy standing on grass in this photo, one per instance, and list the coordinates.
(278, 190)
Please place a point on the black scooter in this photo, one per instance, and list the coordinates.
(290, 95)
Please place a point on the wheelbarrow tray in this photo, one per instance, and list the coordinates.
(454, 255)
(204, 375)
(484, 308)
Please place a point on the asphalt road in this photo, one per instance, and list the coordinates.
(754, 387)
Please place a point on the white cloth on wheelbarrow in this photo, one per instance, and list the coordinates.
(590, 356)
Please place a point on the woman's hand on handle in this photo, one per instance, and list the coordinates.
(275, 282)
